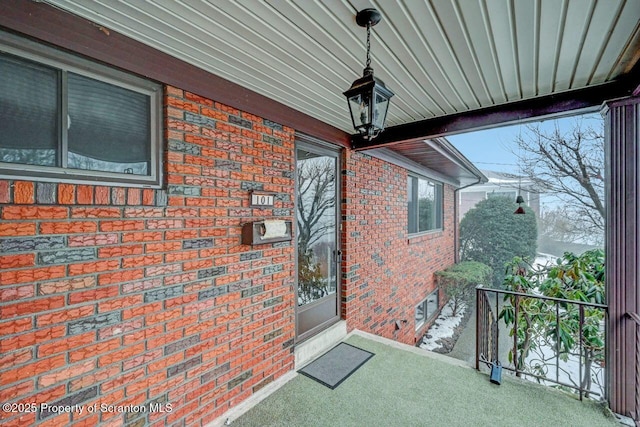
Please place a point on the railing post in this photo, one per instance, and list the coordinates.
(580, 329)
(478, 309)
(557, 341)
(497, 326)
(515, 335)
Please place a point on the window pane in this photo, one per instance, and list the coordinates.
(426, 208)
(432, 304)
(420, 314)
(439, 209)
(412, 209)
(425, 205)
(109, 127)
(28, 112)
(426, 309)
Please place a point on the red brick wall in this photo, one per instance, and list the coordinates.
(386, 272)
(128, 296)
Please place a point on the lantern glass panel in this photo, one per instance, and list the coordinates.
(380, 110)
(359, 110)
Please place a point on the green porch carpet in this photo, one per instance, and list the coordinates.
(401, 388)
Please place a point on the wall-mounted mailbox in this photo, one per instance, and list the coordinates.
(267, 231)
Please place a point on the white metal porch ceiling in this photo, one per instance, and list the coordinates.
(440, 57)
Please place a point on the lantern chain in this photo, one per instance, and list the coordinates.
(369, 44)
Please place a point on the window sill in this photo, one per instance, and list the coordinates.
(424, 236)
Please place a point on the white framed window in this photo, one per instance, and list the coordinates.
(427, 308)
(425, 204)
(63, 117)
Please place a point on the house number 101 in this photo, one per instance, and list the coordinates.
(262, 199)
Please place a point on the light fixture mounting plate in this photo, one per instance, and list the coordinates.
(368, 16)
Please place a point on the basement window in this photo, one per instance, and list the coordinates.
(425, 204)
(63, 117)
(427, 308)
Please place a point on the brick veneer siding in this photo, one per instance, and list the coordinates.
(387, 272)
(129, 296)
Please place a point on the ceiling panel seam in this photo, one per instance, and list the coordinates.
(437, 63)
(583, 38)
(605, 43)
(559, 36)
(400, 64)
(419, 65)
(514, 46)
(305, 102)
(444, 36)
(492, 45)
(472, 51)
(301, 80)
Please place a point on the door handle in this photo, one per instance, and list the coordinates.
(337, 255)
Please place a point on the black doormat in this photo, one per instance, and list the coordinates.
(336, 365)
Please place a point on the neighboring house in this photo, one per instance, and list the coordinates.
(126, 277)
(500, 184)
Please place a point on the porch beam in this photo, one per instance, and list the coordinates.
(577, 101)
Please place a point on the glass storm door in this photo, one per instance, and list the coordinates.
(318, 256)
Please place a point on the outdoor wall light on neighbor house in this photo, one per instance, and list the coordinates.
(519, 201)
(368, 97)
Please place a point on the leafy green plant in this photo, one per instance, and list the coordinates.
(312, 284)
(458, 281)
(557, 325)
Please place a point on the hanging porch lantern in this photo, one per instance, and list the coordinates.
(368, 97)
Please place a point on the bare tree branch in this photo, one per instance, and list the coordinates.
(316, 192)
(567, 165)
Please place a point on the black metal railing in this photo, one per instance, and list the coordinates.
(553, 341)
(487, 331)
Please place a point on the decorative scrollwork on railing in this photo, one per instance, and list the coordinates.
(555, 354)
(553, 340)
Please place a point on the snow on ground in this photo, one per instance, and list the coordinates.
(445, 324)
(567, 372)
(443, 327)
(544, 260)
